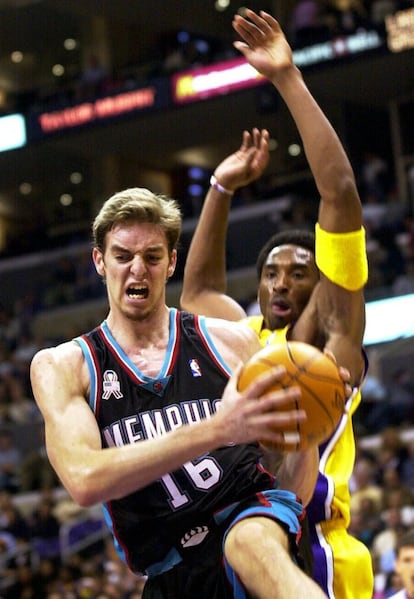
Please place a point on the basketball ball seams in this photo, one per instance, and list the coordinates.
(299, 378)
(323, 395)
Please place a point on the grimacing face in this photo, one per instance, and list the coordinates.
(288, 278)
(135, 265)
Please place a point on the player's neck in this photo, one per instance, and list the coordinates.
(134, 335)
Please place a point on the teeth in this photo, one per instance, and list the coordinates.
(137, 292)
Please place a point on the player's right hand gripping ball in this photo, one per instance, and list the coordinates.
(322, 389)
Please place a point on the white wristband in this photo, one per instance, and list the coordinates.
(214, 183)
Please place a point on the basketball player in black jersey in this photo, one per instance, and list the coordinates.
(143, 415)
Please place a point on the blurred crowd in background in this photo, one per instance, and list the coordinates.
(34, 509)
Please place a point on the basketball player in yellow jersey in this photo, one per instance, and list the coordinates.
(310, 287)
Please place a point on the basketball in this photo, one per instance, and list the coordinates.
(322, 389)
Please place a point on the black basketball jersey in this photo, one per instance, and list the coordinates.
(153, 526)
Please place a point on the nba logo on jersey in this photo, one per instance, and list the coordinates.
(195, 367)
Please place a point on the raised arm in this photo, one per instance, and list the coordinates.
(265, 47)
(337, 304)
(204, 284)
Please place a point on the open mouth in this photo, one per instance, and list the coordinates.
(137, 292)
(280, 307)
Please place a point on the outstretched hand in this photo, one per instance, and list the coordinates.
(248, 163)
(264, 44)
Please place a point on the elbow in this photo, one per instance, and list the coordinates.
(344, 192)
(83, 489)
(83, 497)
(348, 191)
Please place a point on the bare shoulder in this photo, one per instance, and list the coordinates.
(63, 356)
(59, 372)
(235, 340)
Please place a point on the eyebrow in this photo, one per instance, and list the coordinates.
(292, 265)
(120, 248)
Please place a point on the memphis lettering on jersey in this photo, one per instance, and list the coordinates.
(155, 423)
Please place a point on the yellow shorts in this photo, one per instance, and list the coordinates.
(342, 564)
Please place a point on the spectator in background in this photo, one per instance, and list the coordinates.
(349, 16)
(372, 415)
(27, 346)
(6, 360)
(66, 581)
(363, 483)
(173, 59)
(374, 176)
(392, 263)
(393, 584)
(6, 500)
(25, 586)
(392, 452)
(398, 409)
(410, 178)
(14, 523)
(88, 284)
(9, 327)
(93, 79)
(404, 566)
(22, 409)
(401, 397)
(308, 24)
(26, 308)
(407, 467)
(8, 574)
(45, 575)
(404, 282)
(397, 495)
(4, 402)
(365, 522)
(10, 461)
(379, 9)
(61, 284)
(44, 526)
(36, 473)
(384, 543)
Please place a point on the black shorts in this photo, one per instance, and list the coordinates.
(204, 573)
(203, 578)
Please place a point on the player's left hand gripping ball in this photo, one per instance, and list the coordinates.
(322, 397)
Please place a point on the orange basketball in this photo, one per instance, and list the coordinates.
(322, 389)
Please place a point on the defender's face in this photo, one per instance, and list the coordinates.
(288, 278)
(135, 266)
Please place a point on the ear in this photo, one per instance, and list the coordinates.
(172, 264)
(98, 261)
